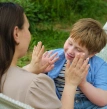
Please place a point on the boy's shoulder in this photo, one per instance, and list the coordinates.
(60, 51)
(97, 61)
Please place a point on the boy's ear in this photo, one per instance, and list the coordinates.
(91, 55)
(16, 35)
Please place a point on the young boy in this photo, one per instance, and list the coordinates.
(88, 37)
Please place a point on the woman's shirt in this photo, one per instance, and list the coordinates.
(35, 90)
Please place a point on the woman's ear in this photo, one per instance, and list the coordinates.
(16, 35)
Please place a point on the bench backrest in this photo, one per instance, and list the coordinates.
(9, 103)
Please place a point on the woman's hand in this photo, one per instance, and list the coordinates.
(74, 74)
(41, 62)
(76, 71)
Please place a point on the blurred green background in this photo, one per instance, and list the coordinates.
(51, 20)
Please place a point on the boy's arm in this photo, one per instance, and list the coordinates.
(95, 95)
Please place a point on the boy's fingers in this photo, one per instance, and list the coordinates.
(50, 67)
(49, 53)
(53, 61)
(44, 66)
(53, 56)
(45, 54)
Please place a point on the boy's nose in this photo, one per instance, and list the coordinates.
(71, 50)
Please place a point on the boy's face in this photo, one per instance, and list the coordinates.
(72, 48)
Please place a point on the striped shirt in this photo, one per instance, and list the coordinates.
(60, 81)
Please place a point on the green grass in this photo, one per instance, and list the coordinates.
(50, 38)
(51, 20)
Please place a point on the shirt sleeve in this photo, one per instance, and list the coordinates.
(41, 93)
(100, 80)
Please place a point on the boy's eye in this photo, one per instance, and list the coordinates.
(70, 43)
(78, 50)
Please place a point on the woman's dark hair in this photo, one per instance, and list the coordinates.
(11, 15)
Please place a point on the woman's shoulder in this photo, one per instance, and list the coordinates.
(32, 79)
(27, 78)
(35, 78)
(41, 91)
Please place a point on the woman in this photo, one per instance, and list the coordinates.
(30, 86)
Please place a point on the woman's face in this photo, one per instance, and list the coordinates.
(24, 38)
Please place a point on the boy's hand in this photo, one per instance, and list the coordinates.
(50, 58)
(76, 71)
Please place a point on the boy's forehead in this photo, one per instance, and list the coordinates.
(77, 41)
(74, 40)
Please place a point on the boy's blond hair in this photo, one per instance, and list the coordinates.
(90, 34)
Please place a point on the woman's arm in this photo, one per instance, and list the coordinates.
(73, 76)
(68, 97)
